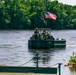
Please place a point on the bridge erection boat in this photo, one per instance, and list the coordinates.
(42, 39)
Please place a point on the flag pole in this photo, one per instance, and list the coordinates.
(45, 10)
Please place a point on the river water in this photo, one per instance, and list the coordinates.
(14, 50)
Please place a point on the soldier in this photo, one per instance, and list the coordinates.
(43, 35)
(36, 33)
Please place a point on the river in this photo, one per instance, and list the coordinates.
(14, 50)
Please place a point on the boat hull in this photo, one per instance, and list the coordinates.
(46, 44)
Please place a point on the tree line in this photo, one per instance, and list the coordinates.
(29, 14)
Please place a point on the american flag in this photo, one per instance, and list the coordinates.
(50, 15)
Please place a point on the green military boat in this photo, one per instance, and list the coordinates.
(42, 39)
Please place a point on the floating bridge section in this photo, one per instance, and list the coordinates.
(9, 70)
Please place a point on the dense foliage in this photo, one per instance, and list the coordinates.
(72, 59)
(29, 14)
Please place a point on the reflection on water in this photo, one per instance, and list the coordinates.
(14, 50)
(44, 56)
(72, 71)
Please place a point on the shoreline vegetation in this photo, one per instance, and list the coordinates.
(72, 61)
(29, 14)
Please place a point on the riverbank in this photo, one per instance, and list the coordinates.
(23, 74)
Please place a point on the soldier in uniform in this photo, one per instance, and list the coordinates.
(43, 35)
(36, 34)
